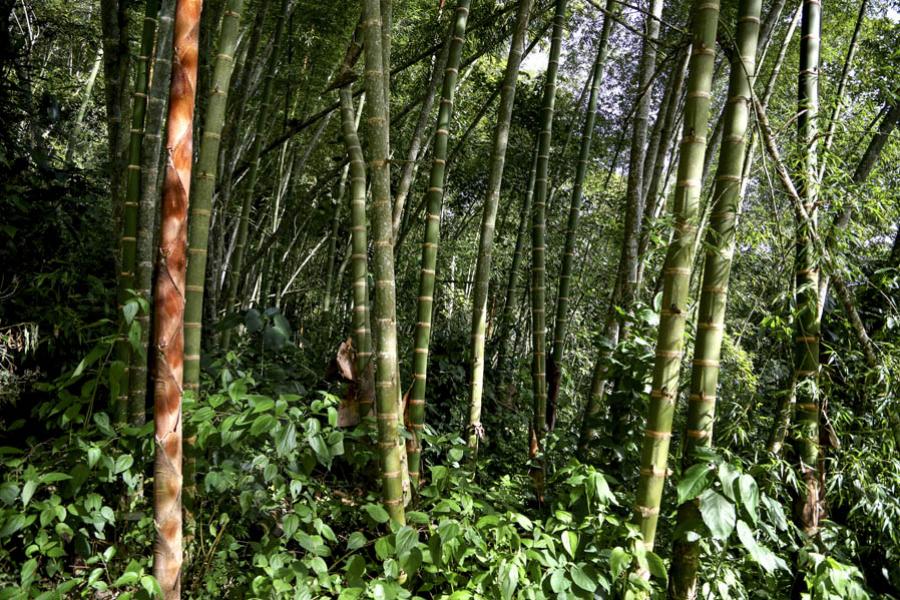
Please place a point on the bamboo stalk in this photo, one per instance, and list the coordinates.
(168, 330)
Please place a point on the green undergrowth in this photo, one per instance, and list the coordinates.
(281, 503)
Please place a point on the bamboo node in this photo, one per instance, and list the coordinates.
(705, 362)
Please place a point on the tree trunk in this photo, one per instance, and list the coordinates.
(489, 219)
(720, 241)
(510, 306)
(168, 317)
(407, 174)
(114, 25)
(204, 188)
(434, 200)
(677, 270)
(655, 189)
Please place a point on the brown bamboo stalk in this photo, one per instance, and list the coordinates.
(168, 330)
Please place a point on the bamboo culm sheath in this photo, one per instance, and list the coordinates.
(168, 319)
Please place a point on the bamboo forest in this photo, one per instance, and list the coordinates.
(450, 299)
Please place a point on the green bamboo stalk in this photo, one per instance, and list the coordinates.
(805, 432)
(204, 188)
(627, 271)
(114, 28)
(654, 191)
(720, 240)
(410, 167)
(128, 230)
(230, 150)
(538, 244)
(133, 405)
(151, 152)
(489, 218)
(262, 118)
(676, 270)
(387, 384)
(434, 199)
(332, 245)
(510, 306)
(561, 322)
(359, 267)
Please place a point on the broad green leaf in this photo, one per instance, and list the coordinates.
(618, 561)
(151, 586)
(123, 463)
(290, 524)
(262, 423)
(776, 512)
(448, 530)
(130, 310)
(693, 482)
(127, 578)
(508, 575)
(286, 440)
(760, 554)
(253, 321)
(657, 566)
(749, 493)
(377, 513)
(26, 573)
(582, 579)
(93, 455)
(28, 491)
(718, 514)
(727, 476)
(9, 492)
(406, 539)
(559, 583)
(414, 516)
(356, 541)
(570, 542)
